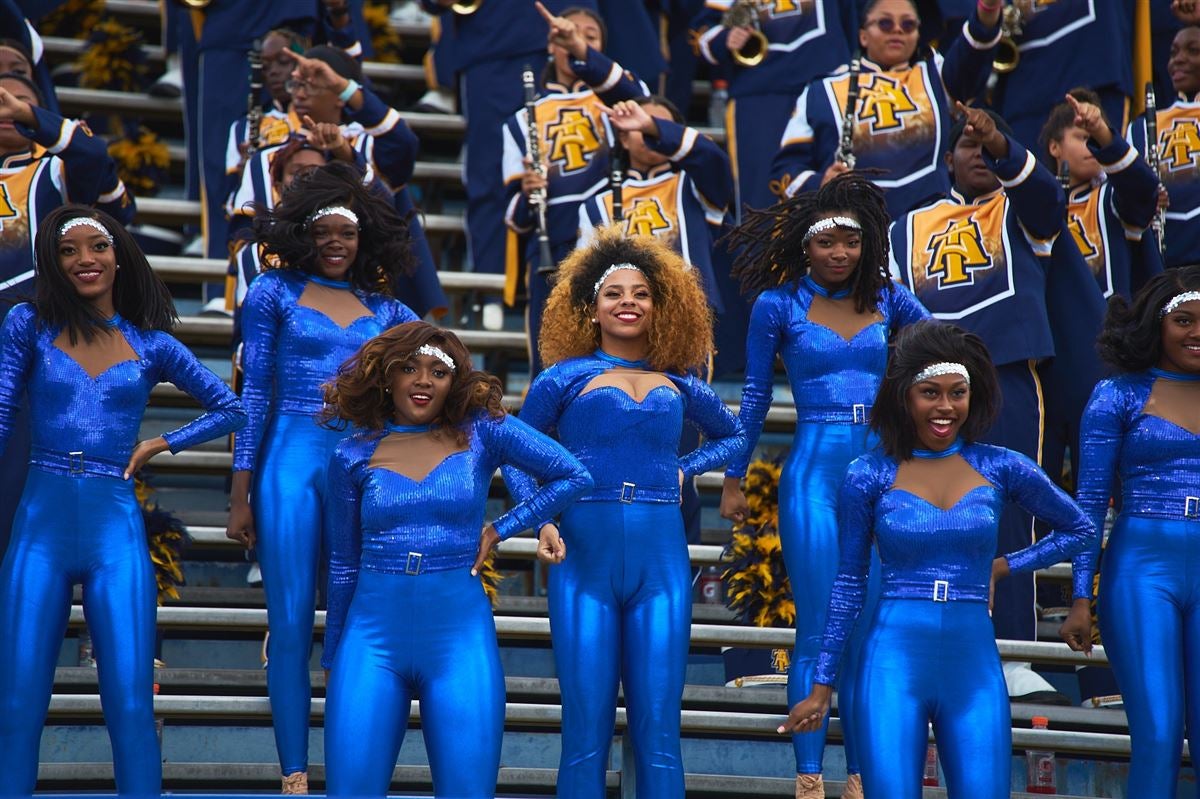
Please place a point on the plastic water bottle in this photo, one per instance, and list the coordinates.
(158, 722)
(717, 103)
(711, 586)
(930, 778)
(1040, 767)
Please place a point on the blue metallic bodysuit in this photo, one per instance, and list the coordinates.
(834, 382)
(621, 602)
(79, 522)
(1149, 597)
(933, 610)
(289, 351)
(406, 618)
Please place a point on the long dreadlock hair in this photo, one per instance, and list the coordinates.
(770, 241)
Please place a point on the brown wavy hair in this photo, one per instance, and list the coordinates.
(681, 327)
(359, 395)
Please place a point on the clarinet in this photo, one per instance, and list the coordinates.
(1159, 224)
(254, 102)
(537, 197)
(616, 180)
(845, 152)
(1064, 177)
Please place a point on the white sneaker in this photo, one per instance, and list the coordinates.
(437, 101)
(171, 82)
(215, 307)
(409, 13)
(194, 248)
(254, 575)
(1026, 685)
(493, 316)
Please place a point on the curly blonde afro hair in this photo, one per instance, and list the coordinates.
(681, 328)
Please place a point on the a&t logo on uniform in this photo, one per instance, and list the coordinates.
(956, 253)
(572, 139)
(885, 102)
(646, 218)
(1179, 145)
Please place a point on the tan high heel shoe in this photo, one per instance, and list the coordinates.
(853, 789)
(295, 784)
(810, 786)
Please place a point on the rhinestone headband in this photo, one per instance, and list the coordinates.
(81, 221)
(938, 369)
(829, 223)
(331, 210)
(436, 352)
(608, 272)
(1177, 300)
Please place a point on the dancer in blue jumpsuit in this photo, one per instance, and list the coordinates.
(830, 312)
(930, 500)
(1142, 426)
(87, 354)
(336, 243)
(408, 617)
(625, 329)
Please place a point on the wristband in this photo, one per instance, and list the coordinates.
(351, 87)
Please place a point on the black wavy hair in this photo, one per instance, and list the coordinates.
(770, 242)
(1131, 340)
(139, 294)
(917, 346)
(384, 250)
(1062, 116)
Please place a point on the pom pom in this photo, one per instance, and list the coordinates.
(491, 578)
(142, 160)
(73, 19)
(757, 586)
(114, 59)
(384, 39)
(166, 537)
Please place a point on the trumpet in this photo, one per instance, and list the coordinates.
(1007, 55)
(465, 8)
(744, 14)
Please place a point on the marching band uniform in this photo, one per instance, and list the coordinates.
(407, 619)
(79, 522)
(1179, 171)
(574, 139)
(978, 263)
(901, 122)
(806, 39)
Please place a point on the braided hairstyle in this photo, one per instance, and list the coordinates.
(383, 242)
(771, 248)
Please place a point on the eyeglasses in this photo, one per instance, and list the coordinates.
(311, 89)
(888, 25)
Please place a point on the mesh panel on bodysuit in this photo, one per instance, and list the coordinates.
(1176, 401)
(941, 481)
(637, 384)
(107, 349)
(340, 305)
(839, 316)
(414, 455)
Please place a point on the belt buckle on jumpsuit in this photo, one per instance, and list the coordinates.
(860, 413)
(941, 591)
(627, 490)
(1191, 508)
(75, 462)
(413, 564)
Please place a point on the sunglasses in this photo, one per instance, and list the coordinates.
(887, 24)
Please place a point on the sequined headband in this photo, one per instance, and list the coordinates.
(608, 272)
(331, 210)
(436, 352)
(1177, 300)
(80, 221)
(829, 223)
(938, 369)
